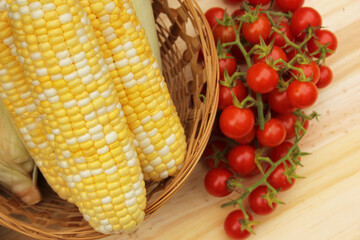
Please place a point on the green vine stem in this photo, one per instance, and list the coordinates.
(293, 153)
(260, 111)
(298, 47)
(278, 14)
(238, 43)
(263, 180)
(245, 103)
(302, 77)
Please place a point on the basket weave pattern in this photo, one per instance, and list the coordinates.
(182, 31)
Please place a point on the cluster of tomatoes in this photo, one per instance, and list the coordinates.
(272, 64)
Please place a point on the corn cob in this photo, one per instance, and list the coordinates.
(17, 99)
(80, 110)
(141, 88)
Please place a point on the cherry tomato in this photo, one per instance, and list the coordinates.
(215, 152)
(279, 102)
(236, 122)
(214, 13)
(326, 76)
(288, 121)
(225, 96)
(273, 135)
(322, 37)
(261, 78)
(278, 180)
(223, 33)
(289, 5)
(302, 94)
(280, 151)
(260, 27)
(229, 63)
(279, 40)
(302, 18)
(259, 2)
(242, 159)
(233, 223)
(310, 70)
(216, 182)
(238, 13)
(248, 138)
(275, 54)
(258, 203)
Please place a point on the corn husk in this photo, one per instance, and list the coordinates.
(16, 164)
(145, 14)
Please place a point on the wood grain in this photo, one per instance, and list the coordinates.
(324, 205)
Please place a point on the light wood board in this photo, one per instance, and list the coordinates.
(324, 205)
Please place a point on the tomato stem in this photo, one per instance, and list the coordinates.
(287, 40)
(260, 111)
(270, 18)
(278, 14)
(289, 66)
(272, 189)
(202, 98)
(263, 180)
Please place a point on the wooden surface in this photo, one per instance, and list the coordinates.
(324, 205)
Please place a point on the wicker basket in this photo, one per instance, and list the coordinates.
(182, 31)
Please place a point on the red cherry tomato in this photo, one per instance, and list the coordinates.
(225, 96)
(279, 102)
(260, 27)
(302, 18)
(302, 94)
(229, 63)
(233, 223)
(258, 203)
(236, 122)
(242, 159)
(215, 152)
(279, 40)
(322, 37)
(273, 135)
(223, 33)
(288, 121)
(261, 78)
(259, 2)
(275, 54)
(310, 70)
(248, 138)
(214, 13)
(280, 151)
(278, 180)
(238, 13)
(216, 182)
(289, 5)
(326, 76)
